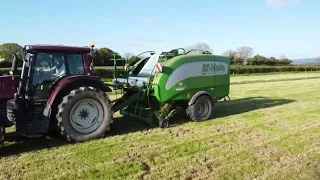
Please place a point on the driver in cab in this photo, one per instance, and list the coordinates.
(59, 67)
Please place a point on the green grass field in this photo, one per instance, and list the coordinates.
(268, 130)
(272, 77)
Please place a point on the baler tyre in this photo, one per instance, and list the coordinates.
(164, 123)
(2, 134)
(201, 109)
(84, 115)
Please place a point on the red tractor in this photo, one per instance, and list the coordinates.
(55, 90)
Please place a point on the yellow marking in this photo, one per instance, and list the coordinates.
(155, 80)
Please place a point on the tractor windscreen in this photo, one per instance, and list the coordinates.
(149, 68)
(52, 66)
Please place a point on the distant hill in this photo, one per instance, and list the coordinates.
(306, 61)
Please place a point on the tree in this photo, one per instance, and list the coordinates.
(106, 55)
(199, 46)
(272, 61)
(244, 53)
(283, 57)
(127, 55)
(5, 55)
(257, 60)
(102, 57)
(13, 47)
(231, 54)
(10, 47)
(133, 60)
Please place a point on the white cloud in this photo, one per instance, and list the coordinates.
(279, 3)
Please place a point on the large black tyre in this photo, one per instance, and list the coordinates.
(2, 134)
(84, 114)
(201, 109)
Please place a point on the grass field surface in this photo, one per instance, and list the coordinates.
(266, 77)
(268, 130)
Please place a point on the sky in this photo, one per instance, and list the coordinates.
(270, 27)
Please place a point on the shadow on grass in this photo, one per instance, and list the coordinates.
(239, 106)
(17, 144)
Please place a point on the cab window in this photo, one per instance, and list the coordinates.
(76, 65)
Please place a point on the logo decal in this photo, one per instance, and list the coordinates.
(195, 70)
(181, 87)
(213, 68)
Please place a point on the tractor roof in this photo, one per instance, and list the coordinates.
(58, 48)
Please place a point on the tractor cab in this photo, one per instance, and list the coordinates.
(46, 65)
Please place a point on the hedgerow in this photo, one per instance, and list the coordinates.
(245, 69)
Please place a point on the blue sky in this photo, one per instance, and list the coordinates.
(270, 27)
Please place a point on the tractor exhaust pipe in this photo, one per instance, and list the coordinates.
(14, 66)
(91, 64)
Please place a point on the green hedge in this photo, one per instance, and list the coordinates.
(104, 73)
(108, 73)
(5, 64)
(269, 69)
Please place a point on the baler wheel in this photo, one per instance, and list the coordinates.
(84, 114)
(164, 123)
(2, 134)
(201, 110)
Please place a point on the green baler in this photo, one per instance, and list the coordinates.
(165, 83)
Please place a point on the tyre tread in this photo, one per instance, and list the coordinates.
(191, 112)
(2, 135)
(99, 94)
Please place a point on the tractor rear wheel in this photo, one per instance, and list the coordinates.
(201, 110)
(2, 134)
(84, 114)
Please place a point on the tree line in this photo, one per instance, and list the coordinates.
(244, 56)
(100, 56)
(104, 56)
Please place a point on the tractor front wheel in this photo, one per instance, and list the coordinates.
(202, 109)
(85, 114)
(2, 134)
